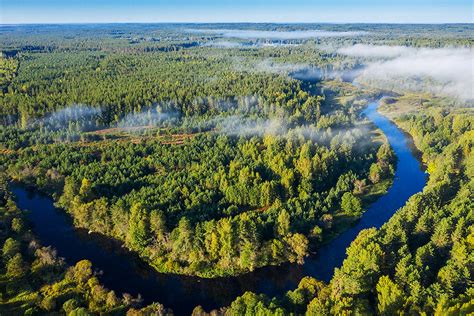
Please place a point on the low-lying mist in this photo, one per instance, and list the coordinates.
(248, 44)
(441, 71)
(277, 35)
(224, 44)
(82, 116)
(148, 117)
(241, 125)
(374, 51)
(240, 117)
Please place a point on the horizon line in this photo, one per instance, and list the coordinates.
(224, 22)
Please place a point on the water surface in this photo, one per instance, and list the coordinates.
(124, 272)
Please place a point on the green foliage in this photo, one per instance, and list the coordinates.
(138, 230)
(418, 261)
(375, 173)
(389, 296)
(35, 281)
(193, 194)
(16, 266)
(140, 191)
(70, 305)
(351, 204)
(253, 304)
(199, 166)
(283, 223)
(10, 248)
(82, 272)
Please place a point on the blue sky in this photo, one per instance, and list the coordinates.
(400, 11)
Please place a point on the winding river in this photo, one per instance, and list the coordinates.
(123, 271)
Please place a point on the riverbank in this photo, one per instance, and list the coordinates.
(122, 271)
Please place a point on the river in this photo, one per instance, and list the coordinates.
(123, 271)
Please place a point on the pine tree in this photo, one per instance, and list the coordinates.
(138, 227)
(389, 296)
(283, 223)
(351, 204)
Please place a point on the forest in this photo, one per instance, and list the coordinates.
(213, 157)
(35, 279)
(421, 261)
(215, 178)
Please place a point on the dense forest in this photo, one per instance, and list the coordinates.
(212, 202)
(213, 156)
(421, 261)
(200, 167)
(35, 279)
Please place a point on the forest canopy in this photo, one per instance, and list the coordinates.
(213, 153)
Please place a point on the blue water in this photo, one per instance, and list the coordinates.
(124, 272)
(409, 179)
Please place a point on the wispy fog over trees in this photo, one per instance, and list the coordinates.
(214, 150)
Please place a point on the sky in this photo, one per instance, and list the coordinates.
(104, 11)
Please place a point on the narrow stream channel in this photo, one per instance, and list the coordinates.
(124, 272)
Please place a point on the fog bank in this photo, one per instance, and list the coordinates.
(370, 51)
(442, 71)
(277, 35)
(73, 114)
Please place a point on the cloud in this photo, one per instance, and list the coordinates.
(278, 44)
(381, 51)
(246, 44)
(314, 74)
(442, 71)
(277, 35)
(223, 44)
